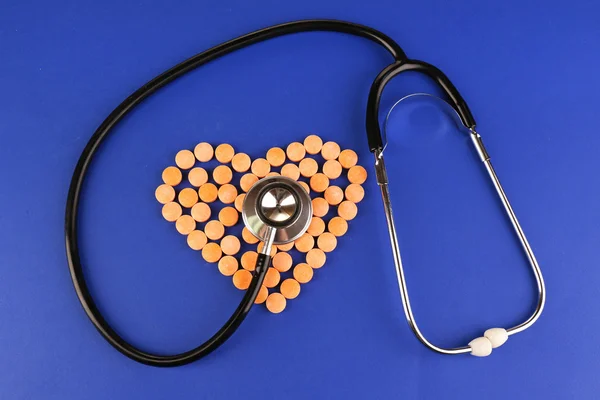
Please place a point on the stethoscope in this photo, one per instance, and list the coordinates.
(277, 210)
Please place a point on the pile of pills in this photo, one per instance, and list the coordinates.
(193, 205)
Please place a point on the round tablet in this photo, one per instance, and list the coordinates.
(319, 182)
(338, 226)
(285, 247)
(247, 180)
(276, 156)
(295, 151)
(316, 258)
(330, 151)
(334, 195)
(304, 243)
(228, 265)
(222, 174)
(357, 174)
(224, 153)
(348, 158)
(188, 197)
(291, 171)
(320, 207)
(276, 303)
(185, 159)
(332, 168)
(263, 292)
(203, 152)
(273, 174)
(316, 227)
(313, 144)
(185, 224)
(239, 201)
(171, 211)
(208, 192)
(241, 162)
(282, 261)
(211, 252)
(242, 279)
(164, 194)
(201, 212)
(261, 245)
(260, 167)
(347, 210)
(230, 245)
(249, 260)
(354, 192)
(214, 230)
(227, 193)
(248, 236)
(172, 176)
(305, 186)
(303, 273)
(196, 240)
(198, 176)
(327, 242)
(228, 216)
(290, 288)
(308, 167)
(272, 278)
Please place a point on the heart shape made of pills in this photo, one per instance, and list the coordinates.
(189, 202)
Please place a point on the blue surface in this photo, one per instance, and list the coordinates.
(527, 70)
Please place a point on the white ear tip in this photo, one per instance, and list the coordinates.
(497, 336)
(481, 347)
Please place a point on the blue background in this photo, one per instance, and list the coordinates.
(528, 71)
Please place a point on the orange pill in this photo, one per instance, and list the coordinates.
(272, 278)
(305, 186)
(239, 201)
(249, 260)
(338, 226)
(313, 144)
(214, 230)
(276, 156)
(347, 210)
(260, 167)
(282, 262)
(201, 212)
(320, 207)
(224, 153)
(261, 245)
(316, 227)
(196, 240)
(247, 180)
(228, 216)
(198, 176)
(273, 174)
(172, 176)
(290, 288)
(354, 192)
(276, 303)
(327, 242)
(188, 197)
(203, 152)
(248, 236)
(330, 151)
(208, 192)
(308, 167)
(185, 224)
(334, 195)
(285, 247)
(357, 174)
(171, 211)
(319, 182)
(348, 158)
(303, 273)
(227, 193)
(230, 245)
(211, 252)
(263, 293)
(295, 151)
(222, 174)
(242, 279)
(164, 194)
(185, 159)
(291, 171)
(304, 243)
(228, 265)
(316, 258)
(241, 162)
(332, 169)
